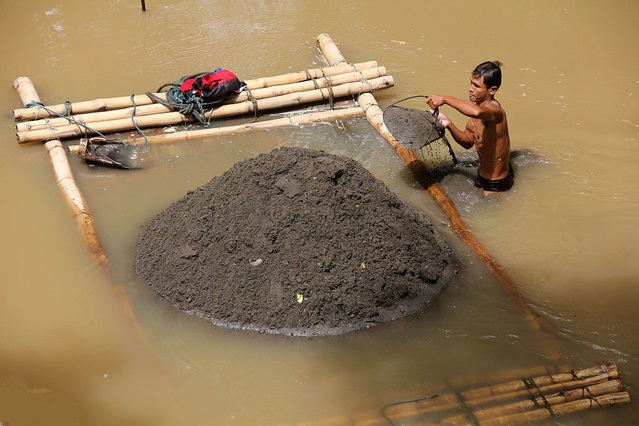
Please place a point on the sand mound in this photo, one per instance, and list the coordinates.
(296, 242)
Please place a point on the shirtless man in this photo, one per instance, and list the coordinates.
(487, 128)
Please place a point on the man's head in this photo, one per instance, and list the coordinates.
(485, 81)
(490, 71)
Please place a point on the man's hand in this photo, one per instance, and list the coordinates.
(445, 121)
(435, 101)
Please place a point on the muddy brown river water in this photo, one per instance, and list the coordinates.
(566, 233)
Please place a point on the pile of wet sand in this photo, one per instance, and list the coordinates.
(296, 242)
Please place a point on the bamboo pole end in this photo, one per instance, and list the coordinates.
(21, 80)
(53, 144)
(23, 138)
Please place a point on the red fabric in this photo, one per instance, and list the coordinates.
(207, 81)
(210, 81)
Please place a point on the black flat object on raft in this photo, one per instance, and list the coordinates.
(108, 152)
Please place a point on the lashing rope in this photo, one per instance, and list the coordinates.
(133, 120)
(329, 86)
(252, 99)
(82, 126)
(186, 104)
(410, 401)
(536, 395)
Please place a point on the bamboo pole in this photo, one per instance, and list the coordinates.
(307, 75)
(608, 371)
(536, 413)
(291, 120)
(64, 177)
(298, 119)
(523, 388)
(437, 396)
(292, 99)
(144, 110)
(535, 402)
(315, 83)
(119, 102)
(91, 117)
(597, 396)
(27, 92)
(455, 407)
(374, 115)
(557, 387)
(481, 415)
(571, 407)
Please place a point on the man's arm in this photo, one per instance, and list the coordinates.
(463, 137)
(469, 109)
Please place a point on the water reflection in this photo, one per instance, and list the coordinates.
(458, 179)
(566, 233)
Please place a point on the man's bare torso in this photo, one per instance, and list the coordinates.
(492, 143)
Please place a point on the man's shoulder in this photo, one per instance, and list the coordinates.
(495, 109)
(494, 104)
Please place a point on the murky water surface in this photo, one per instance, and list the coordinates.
(566, 234)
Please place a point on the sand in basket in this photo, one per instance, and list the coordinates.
(419, 130)
(411, 127)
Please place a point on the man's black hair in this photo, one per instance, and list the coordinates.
(491, 71)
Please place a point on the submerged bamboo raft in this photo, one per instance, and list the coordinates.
(511, 402)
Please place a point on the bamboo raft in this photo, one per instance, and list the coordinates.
(509, 403)
(513, 402)
(71, 120)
